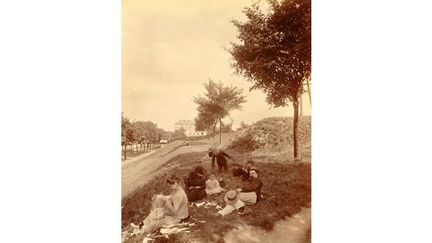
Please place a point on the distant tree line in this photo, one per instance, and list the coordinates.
(144, 136)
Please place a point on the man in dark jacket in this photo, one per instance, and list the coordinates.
(220, 157)
(252, 184)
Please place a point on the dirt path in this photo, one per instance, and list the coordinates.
(139, 171)
(163, 150)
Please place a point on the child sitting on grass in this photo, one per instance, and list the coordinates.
(212, 185)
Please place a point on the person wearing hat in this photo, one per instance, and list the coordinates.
(233, 202)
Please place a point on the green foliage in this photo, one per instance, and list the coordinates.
(275, 49)
(272, 134)
(217, 102)
(243, 125)
(141, 132)
(244, 144)
(179, 134)
(227, 127)
(206, 120)
(127, 133)
(146, 132)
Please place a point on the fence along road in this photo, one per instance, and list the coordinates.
(139, 171)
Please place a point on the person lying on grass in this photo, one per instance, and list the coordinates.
(243, 172)
(239, 171)
(175, 207)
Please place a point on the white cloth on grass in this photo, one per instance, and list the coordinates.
(229, 208)
(249, 198)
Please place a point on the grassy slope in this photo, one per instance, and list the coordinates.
(272, 138)
(286, 187)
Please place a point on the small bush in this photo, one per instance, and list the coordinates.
(244, 144)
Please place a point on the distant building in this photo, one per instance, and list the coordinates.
(189, 127)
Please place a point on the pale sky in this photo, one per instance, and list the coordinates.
(170, 48)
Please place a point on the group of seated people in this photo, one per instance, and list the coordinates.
(248, 193)
(198, 185)
(173, 208)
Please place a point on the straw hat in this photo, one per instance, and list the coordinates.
(231, 197)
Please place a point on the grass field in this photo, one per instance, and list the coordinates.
(287, 189)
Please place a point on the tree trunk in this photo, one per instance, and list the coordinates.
(295, 129)
(309, 92)
(220, 131)
(123, 152)
(301, 105)
(214, 132)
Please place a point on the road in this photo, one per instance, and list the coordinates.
(139, 171)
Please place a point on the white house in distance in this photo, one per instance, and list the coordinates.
(189, 127)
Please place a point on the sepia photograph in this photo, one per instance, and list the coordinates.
(216, 121)
(190, 121)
